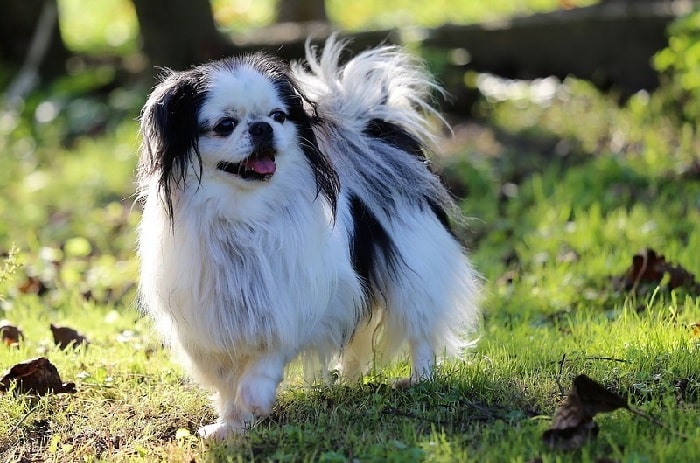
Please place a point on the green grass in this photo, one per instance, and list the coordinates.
(559, 196)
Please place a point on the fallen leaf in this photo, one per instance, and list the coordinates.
(64, 337)
(570, 438)
(695, 329)
(649, 268)
(507, 278)
(36, 376)
(595, 398)
(573, 423)
(692, 171)
(33, 285)
(11, 335)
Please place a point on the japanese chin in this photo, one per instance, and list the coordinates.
(289, 211)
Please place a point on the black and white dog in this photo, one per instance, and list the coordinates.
(289, 210)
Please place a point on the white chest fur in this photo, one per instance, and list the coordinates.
(222, 285)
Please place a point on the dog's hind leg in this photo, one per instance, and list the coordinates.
(422, 350)
(360, 351)
(430, 293)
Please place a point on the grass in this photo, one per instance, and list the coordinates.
(560, 194)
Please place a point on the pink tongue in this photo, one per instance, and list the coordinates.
(262, 166)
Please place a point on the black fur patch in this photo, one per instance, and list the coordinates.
(170, 131)
(396, 136)
(369, 237)
(441, 215)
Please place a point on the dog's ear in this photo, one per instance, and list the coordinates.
(170, 131)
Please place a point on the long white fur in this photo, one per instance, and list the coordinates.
(250, 276)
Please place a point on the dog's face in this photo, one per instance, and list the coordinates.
(244, 126)
(238, 121)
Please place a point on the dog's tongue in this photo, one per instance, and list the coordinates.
(261, 165)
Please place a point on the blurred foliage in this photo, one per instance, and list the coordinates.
(243, 14)
(69, 153)
(554, 170)
(679, 65)
(111, 24)
(94, 27)
(399, 13)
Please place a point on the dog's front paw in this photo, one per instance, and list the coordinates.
(256, 395)
(221, 430)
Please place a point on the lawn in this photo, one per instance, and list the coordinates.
(559, 194)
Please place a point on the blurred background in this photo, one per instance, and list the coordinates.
(610, 42)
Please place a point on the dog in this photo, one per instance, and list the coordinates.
(289, 210)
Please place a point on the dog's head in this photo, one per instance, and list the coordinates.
(233, 120)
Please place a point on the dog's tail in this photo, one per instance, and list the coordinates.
(381, 84)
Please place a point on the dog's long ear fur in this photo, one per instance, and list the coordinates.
(170, 131)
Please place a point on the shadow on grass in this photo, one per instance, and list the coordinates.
(373, 421)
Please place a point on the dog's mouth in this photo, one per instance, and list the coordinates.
(258, 166)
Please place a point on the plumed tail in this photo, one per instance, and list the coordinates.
(381, 84)
(376, 123)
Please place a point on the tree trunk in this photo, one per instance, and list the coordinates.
(179, 33)
(22, 34)
(301, 11)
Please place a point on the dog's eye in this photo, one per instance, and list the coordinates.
(278, 116)
(225, 126)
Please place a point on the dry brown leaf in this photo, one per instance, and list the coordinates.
(63, 337)
(649, 269)
(573, 423)
(36, 376)
(695, 329)
(595, 398)
(33, 285)
(11, 335)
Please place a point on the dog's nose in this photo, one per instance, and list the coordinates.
(259, 129)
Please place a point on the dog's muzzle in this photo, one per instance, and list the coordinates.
(260, 165)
